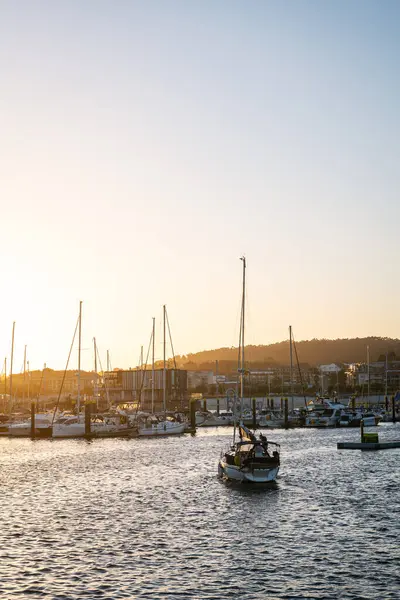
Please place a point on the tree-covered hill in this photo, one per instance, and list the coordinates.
(314, 352)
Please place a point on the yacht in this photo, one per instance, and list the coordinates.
(325, 414)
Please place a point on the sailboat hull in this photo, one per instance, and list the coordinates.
(163, 428)
(249, 474)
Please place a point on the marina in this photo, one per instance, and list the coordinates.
(149, 518)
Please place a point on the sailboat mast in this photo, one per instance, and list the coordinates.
(11, 365)
(164, 366)
(386, 376)
(291, 365)
(152, 365)
(368, 372)
(108, 360)
(95, 370)
(5, 376)
(242, 337)
(79, 358)
(29, 383)
(23, 393)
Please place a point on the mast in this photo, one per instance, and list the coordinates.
(11, 366)
(23, 393)
(95, 371)
(29, 383)
(108, 360)
(79, 358)
(368, 372)
(291, 365)
(164, 368)
(216, 378)
(152, 366)
(386, 376)
(5, 383)
(242, 337)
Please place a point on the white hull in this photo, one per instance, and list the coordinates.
(235, 473)
(163, 428)
(75, 430)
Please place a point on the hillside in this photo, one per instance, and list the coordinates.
(313, 352)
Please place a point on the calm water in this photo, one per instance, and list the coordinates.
(149, 519)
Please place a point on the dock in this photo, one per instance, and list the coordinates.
(368, 445)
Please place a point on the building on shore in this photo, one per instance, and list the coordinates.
(136, 385)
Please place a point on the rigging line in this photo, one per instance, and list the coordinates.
(104, 378)
(40, 385)
(144, 371)
(65, 373)
(298, 366)
(170, 338)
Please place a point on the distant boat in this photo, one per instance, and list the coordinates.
(249, 459)
(154, 424)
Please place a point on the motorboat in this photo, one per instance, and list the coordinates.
(252, 459)
(213, 419)
(268, 418)
(353, 419)
(326, 414)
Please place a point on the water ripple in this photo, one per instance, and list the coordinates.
(133, 519)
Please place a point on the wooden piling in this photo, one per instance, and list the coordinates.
(286, 413)
(217, 407)
(192, 407)
(87, 420)
(362, 430)
(205, 405)
(271, 404)
(33, 424)
(393, 410)
(253, 402)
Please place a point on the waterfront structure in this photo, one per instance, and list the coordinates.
(136, 385)
(48, 382)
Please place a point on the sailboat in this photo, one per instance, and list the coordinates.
(250, 459)
(153, 424)
(68, 426)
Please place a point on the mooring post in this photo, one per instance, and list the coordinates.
(87, 419)
(286, 413)
(192, 407)
(254, 413)
(353, 404)
(218, 407)
(33, 425)
(393, 410)
(271, 404)
(386, 404)
(362, 430)
(205, 405)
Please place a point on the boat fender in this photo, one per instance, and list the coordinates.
(237, 461)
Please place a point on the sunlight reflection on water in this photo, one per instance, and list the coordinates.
(150, 519)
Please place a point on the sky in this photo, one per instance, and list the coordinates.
(146, 146)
